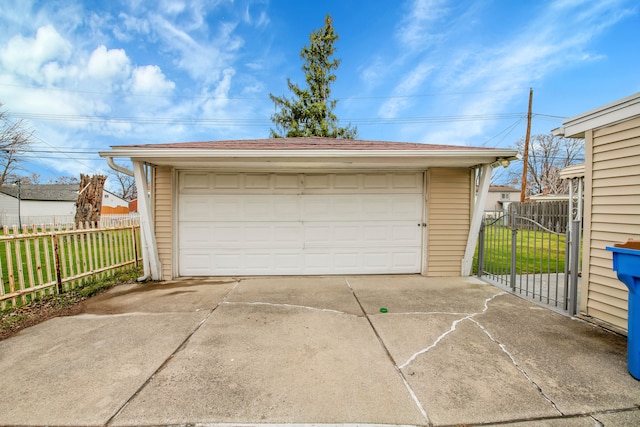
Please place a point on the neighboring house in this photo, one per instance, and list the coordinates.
(499, 198)
(611, 200)
(112, 204)
(48, 203)
(38, 204)
(309, 206)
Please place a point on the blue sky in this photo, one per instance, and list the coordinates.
(90, 74)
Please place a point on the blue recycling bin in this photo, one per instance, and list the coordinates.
(626, 263)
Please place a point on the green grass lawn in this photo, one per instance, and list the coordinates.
(536, 251)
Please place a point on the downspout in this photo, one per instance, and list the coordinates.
(152, 259)
(145, 250)
(112, 164)
(476, 218)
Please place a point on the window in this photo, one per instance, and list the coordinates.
(505, 196)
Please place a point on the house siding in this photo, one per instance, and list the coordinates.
(448, 218)
(612, 214)
(163, 209)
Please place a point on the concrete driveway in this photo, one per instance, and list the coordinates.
(316, 350)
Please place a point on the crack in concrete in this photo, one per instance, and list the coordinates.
(517, 365)
(408, 313)
(453, 327)
(304, 307)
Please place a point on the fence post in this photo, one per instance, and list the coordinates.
(512, 273)
(575, 265)
(481, 249)
(514, 239)
(135, 245)
(56, 260)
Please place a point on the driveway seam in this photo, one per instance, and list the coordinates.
(171, 356)
(395, 366)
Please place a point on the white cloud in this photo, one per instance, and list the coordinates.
(416, 30)
(203, 59)
(130, 27)
(173, 7)
(261, 21)
(409, 85)
(219, 97)
(149, 79)
(108, 64)
(27, 55)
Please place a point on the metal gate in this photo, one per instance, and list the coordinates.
(538, 261)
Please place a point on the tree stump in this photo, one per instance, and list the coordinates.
(89, 201)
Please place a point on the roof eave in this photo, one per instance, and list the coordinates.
(606, 115)
(309, 159)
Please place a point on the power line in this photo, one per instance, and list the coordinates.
(231, 98)
(364, 121)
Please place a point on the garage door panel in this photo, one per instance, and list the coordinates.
(237, 207)
(195, 181)
(195, 263)
(194, 235)
(361, 235)
(405, 207)
(195, 208)
(406, 234)
(286, 181)
(253, 181)
(240, 235)
(407, 181)
(320, 261)
(402, 260)
(386, 207)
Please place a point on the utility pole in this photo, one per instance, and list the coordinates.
(525, 155)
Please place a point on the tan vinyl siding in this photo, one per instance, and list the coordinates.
(163, 201)
(613, 187)
(448, 219)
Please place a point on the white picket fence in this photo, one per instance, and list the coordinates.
(48, 259)
(106, 220)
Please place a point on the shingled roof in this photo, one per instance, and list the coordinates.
(43, 192)
(308, 154)
(308, 143)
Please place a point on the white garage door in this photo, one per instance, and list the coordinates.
(273, 224)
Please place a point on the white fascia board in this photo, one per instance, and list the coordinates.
(175, 153)
(606, 115)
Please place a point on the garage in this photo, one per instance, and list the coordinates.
(296, 223)
(308, 206)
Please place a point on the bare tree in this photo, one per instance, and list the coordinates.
(15, 137)
(123, 185)
(548, 154)
(64, 180)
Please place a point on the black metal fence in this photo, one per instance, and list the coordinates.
(529, 251)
